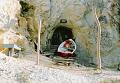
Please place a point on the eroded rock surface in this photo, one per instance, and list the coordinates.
(23, 71)
(80, 18)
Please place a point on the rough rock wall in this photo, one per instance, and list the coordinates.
(7, 15)
(9, 33)
(80, 18)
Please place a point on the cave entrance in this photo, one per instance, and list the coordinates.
(61, 34)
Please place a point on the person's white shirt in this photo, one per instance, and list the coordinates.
(62, 49)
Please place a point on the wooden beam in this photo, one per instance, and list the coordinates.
(38, 47)
(98, 41)
(12, 52)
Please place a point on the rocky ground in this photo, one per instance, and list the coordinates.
(19, 70)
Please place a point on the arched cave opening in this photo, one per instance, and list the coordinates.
(61, 34)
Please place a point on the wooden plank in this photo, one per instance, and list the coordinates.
(16, 47)
(64, 61)
(10, 46)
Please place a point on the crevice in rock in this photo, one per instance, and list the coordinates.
(28, 13)
(35, 46)
(26, 9)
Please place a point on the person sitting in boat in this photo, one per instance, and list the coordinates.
(66, 48)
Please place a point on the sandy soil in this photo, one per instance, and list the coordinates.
(25, 70)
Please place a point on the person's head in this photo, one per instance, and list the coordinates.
(68, 41)
(67, 45)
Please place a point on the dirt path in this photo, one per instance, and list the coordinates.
(82, 70)
(25, 70)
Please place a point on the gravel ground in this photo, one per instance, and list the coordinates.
(14, 70)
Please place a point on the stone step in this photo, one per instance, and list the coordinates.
(48, 54)
(52, 47)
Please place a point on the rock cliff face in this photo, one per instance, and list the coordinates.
(9, 29)
(80, 18)
(8, 15)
